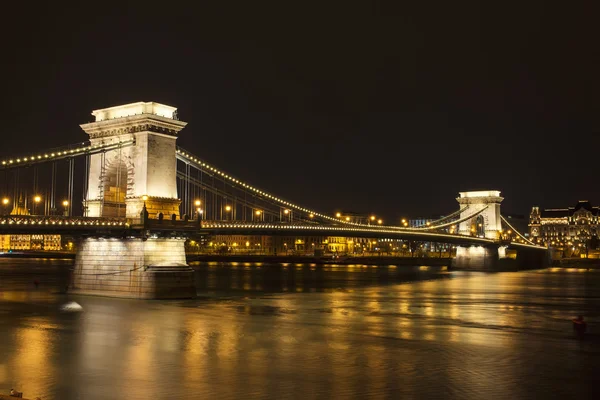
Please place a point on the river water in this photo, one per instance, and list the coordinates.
(305, 332)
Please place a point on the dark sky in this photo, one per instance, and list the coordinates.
(370, 109)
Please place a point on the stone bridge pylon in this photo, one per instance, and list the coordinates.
(143, 168)
(488, 223)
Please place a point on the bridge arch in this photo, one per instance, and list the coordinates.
(117, 184)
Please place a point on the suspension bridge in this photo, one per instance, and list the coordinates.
(132, 197)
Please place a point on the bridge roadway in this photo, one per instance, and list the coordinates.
(90, 226)
(119, 227)
(370, 232)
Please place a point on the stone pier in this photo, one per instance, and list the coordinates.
(133, 268)
(495, 258)
(476, 258)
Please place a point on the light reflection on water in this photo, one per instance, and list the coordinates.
(305, 332)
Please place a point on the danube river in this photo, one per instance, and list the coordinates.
(305, 332)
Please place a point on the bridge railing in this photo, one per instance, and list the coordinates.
(62, 220)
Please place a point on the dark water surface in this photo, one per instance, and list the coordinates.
(305, 332)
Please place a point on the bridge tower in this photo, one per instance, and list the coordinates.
(488, 223)
(120, 179)
(140, 168)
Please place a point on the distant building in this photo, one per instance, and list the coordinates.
(561, 226)
(286, 244)
(31, 242)
(28, 242)
(419, 222)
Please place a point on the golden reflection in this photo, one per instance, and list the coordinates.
(141, 355)
(32, 358)
(407, 335)
(454, 333)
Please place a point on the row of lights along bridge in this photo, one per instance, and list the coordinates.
(37, 199)
(287, 214)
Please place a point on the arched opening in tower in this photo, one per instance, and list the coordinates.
(115, 190)
(478, 226)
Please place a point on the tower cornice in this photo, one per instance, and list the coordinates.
(132, 124)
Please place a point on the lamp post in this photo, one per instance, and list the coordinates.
(258, 214)
(36, 200)
(227, 212)
(5, 202)
(65, 204)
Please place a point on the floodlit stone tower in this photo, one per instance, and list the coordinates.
(487, 200)
(121, 178)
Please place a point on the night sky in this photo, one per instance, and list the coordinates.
(365, 109)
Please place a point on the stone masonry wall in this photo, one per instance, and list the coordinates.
(151, 269)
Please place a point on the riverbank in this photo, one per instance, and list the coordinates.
(258, 258)
(272, 259)
(38, 254)
(577, 263)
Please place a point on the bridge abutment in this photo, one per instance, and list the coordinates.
(133, 268)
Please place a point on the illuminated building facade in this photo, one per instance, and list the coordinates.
(572, 226)
(286, 244)
(30, 242)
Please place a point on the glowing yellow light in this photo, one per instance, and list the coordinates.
(379, 221)
(372, 218)
(65, 203)
(311, 215)
(347, 218)
(197, 203)
(37, 199)
(286, 211)
(258, 212)
(144, 197)
(338, 214)
(5, 201)
(227, 208)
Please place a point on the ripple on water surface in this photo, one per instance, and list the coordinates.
(306, 332)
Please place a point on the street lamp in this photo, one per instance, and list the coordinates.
(65, 204)
(197, 203)
(379, 221)
(5, 202)
(36, 200)
(258, 213)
